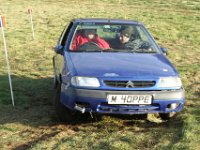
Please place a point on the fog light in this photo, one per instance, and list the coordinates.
(173, 106)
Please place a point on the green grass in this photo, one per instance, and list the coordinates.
(32, 123)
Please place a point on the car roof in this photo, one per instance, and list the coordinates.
(103, 20)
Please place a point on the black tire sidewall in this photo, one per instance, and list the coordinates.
(64, 114)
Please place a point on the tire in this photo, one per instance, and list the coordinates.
(167, 116)
(55, 82)
(64, 114)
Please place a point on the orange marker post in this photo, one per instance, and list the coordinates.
(2, 25)
(3, 18)
(31, 20)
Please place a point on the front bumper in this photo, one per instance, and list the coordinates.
(96, 101)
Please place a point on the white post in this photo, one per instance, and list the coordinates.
(7, 61)
(31, 19)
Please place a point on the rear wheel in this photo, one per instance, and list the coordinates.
(64, 114)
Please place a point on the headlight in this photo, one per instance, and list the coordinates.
(85, 81)
(169, 82)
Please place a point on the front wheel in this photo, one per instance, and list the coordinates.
(64, 114)
(167, 116)
(55, 82)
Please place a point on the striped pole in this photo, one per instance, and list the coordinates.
(31, 19)
(2, 25)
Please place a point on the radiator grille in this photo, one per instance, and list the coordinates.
(129, 84)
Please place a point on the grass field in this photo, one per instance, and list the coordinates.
(32, 124)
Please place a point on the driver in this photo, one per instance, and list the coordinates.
(89, 35)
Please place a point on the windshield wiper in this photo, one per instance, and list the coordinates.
(86, 51)
(143, 51)
(118, 50)
(77, 51)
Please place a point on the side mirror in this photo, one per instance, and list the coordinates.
(59, 49)
(164, 50)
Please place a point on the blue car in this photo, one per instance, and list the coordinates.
(109, 66)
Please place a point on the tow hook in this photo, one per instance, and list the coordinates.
(79, 108)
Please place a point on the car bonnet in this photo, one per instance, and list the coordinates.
(121, 64)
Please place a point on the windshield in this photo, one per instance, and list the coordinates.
(93, 37)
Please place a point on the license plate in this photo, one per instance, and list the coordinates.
(129, 99)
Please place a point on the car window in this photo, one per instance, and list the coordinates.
(64, 34)
(94, 37)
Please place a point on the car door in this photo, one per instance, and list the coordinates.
(58, 59)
